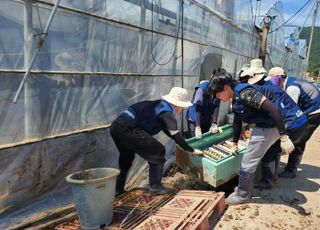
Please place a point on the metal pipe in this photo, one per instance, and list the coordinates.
(28, 41)
(40, 44)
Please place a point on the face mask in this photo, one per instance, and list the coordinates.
(276, 80)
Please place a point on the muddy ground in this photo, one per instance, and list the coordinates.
(291, 204)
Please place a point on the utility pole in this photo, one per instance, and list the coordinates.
(312, 28)
(263, 47)
(266, 26)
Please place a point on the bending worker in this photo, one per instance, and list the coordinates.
(202, 116)
(295, 124)
(132, 133)
(252, 104)
(307, 96)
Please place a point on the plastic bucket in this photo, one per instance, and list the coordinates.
(93, 192)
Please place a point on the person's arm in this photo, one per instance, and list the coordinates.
(275, 114)
(260, 102)
(172, 130)
(215, 113)
(237, 127)
(253, 98)
(294, 93)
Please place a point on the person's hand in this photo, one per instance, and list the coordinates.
(198, 132)
(234, 148)
(286, 144)
(197, 152)
(215, 128)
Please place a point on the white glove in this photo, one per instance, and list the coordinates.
(286, 144)
(215, 128)
(234, 148)
(198, 132)
(197, 152)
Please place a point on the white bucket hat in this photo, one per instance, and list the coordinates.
(178, 97)
(247, 72)
(275, 71)
(258, 71)
(243, 68)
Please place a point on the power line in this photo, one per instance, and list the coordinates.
(293, 44)
(283, 24)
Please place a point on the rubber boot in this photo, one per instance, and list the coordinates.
(242, 193)
(291, 169)
(155, 176)
(121, 181)
(267, 175)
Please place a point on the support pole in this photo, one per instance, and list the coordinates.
(39, 46)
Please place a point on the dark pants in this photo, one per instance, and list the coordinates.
(130, 139)
(305, 133)
(192, 126)
(313, 123)
(191, 129)
(298, 137)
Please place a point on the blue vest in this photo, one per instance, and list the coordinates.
(309, 99)
(146, 113)
(289, 110)
(248, 114)
(207, 109)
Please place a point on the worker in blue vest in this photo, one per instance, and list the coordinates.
(290, 110)
(133, 131)
(202, 116)
(254, 104)
(307, 96)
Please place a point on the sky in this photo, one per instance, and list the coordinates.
(290, 7)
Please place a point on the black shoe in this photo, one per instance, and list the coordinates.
(288, 174)
(263, 185)
(160, 190)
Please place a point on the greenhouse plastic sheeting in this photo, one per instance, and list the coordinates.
(100, 56)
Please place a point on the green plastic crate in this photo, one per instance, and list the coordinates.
(211, 171)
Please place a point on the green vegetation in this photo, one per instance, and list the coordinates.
(314, 62)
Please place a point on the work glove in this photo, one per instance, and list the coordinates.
(197, 152)
(234, 148)
(286, 144)
(198, 132)
(215, 128)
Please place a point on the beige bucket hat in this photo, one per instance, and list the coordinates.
(178, 96)
(275, 71)
(257, 70)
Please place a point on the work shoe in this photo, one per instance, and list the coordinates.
(288, 174)
(242, 193)
(237, 197)
(160, 190)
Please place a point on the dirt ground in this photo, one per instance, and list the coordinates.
(291, 204)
